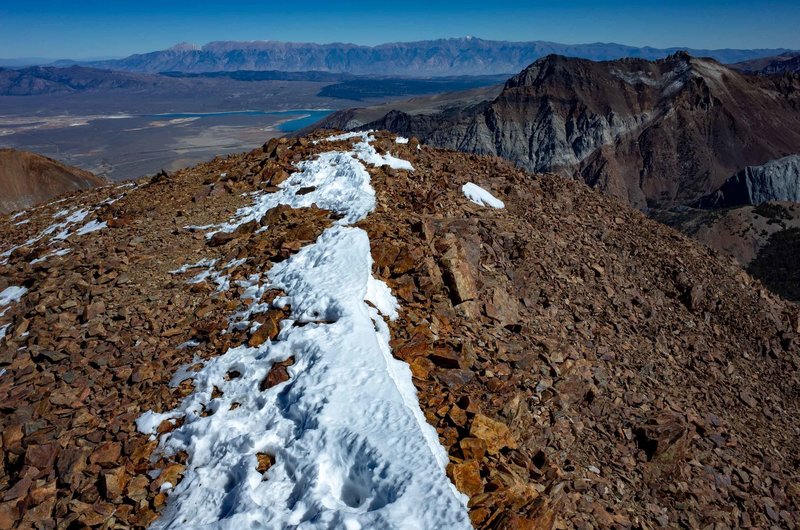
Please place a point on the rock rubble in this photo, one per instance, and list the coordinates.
(583, 365)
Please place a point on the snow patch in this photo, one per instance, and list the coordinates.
(203, 263)
(59, 252)
(368, 154)
(634, 78)
(340, 184)
(342, 137)
(12, 294)
(91, 226)
(480, 196)
(401, 140)
(333, 181)
(349, 439)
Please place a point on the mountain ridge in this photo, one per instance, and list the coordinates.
(456, 56)
(666, 133)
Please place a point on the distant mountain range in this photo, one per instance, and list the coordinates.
(461, 56)
(38, 80)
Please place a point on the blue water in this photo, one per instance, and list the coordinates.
(296, 124)
(305, 117)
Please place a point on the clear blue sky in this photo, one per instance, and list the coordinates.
(91, 28)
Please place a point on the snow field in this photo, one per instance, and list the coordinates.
(351, 446)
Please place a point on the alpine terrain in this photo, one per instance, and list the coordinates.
(654, 133)
(354, 330)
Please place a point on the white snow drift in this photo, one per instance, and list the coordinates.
(480, 196)
(352, 448)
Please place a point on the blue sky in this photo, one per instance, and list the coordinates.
(80, 29)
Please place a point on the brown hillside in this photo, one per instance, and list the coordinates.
(27, 179)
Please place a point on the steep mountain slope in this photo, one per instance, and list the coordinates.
(652, 133)
(581, 364)
(27, 179)
(464, 56)
(764, 239)
(777, 180)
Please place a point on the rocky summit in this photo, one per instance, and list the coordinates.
(579, 365)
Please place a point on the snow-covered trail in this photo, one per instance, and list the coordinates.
(352, 448)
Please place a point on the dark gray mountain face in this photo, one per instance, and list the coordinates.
(655, 134)
(777, 180)
(465, 56)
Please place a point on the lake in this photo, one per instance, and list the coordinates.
(304, 117)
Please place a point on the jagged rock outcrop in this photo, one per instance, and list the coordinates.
(27, 179)
(583, 365)
(655, 134)
(777, 180)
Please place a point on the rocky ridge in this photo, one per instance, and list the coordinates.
(579, 367)
(776, 65)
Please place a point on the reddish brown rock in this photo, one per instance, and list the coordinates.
(107, 454)
(277, 374)
(9, 514)
(473, 448)
(496, 434)
(71, 462)
(41, 456)
(467, 477)
(137, 488)
(458, 276)
(114, 483)
(268, 330)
